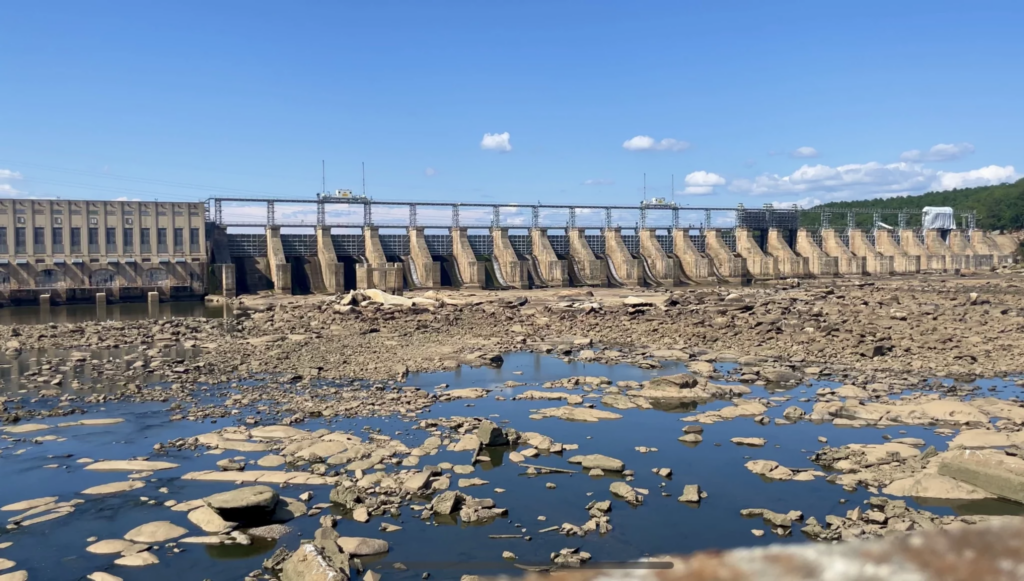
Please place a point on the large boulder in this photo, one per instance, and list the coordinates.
(362, 546)
(251, 504)
(155, 532)
(599, 461)
(490, 434)
(670, 382)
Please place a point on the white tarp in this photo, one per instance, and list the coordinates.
(937, 218)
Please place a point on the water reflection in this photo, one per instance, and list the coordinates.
(70, 314)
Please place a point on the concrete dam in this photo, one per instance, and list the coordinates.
(58, 251)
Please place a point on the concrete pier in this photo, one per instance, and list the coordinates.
(514, 270)
(983, 243)
(628, 269)
(280, 272)
(818, 263)
(695, 265)
(153, 304)
(759, 264)
(592, 270)
(427, 271)
(228, 283)
(902, 263)
(973, 260)
(849, 264)
(729, 265)
(875, 262)
(662, 266)
(333, 273)
(472, 272)
(101, 299)
(912, 246)
(554, 271)
(936, 245)
(375, 258)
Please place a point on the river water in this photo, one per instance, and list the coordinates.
(445, 548)
(63, 314)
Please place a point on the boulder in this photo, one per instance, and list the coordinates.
(490, 434)
(207, 519)
(308, 563)
(599, 461)
(248, 505)
(991, 471)
(677, 381)
(362, 546)
(155, 532)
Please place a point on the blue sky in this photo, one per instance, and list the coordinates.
(751, 102)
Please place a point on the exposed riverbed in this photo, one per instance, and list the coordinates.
(442, 545)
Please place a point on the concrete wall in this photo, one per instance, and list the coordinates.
(662, 266)
(849, 264)
(389, 278)
(1007, 244)
(628, 269)
(472, 273)
(554, 271)
(591, 269)
(875, 262)
(972, 260)
(902, 263)
(695, 264)
(280, 272)
(729, 265)
(515, 271)
(119, 281)
(759, 264)
(983, 243)
(818, 263)
(912, 246)
(332, 272)
(428, 271)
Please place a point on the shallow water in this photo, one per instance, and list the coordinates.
(72, 314)
(446, 548)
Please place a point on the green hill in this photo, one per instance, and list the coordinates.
(998, 207)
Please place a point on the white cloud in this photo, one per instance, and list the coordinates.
(496, 142)
(804, 152)
(808, 202)
(940, 152)
(429, 172)
(126, 199)
(869, 180)
(6, 189)
(648, 143)
(986, 176)
(702, 183)
(599, 182)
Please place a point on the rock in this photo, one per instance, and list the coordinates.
(447, 502)
(361, 515)
(29, 504)
(308, 563)
(109, 547)
(508, 555)
(991, 471)
(753, 442)
(207, 519)
(793, 413)
(490, 434)
(271, 461)
(691, 493)
(781, 375)
(761, 467)
(626, 492)
(599, 461)
(131, 465)
(416, 482)
(576, 414)
(15, 576)
(101, 576)
(250, 504)
(467, 482)
(674, 382)
(691, 438)
(114, 487)
(362, 546)
(230, 465)
(155, 532)
(346, 497)
(138, 560)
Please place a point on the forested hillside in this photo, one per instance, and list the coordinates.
(998, 207)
